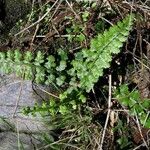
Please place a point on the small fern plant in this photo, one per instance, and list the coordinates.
(88, 66)
(84, 71)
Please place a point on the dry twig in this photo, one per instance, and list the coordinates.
(108, 114)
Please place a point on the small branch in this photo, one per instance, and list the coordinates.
(55, 96)
(108, 114)
(141, 134)
(77, 16)
(143, 144)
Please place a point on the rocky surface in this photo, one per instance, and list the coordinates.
(11, 11)
(14, 95)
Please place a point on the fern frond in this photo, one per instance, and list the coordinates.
(99, 56)
(28, 66)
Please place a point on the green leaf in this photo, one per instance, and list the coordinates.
(63, 109)
(123, 142)
(5, 68)
(62, 54)
(19, 70)
(10, 55)
(125, 101)
(50, 63)
(52, 103)
(63, 96)
(62, 66)
(2, 56)
(124, 90)
(74, 105)
(28, 57)
(85, 15)
(82, 98)
(60, 80)
(40, 75)
(80, 37)
(146, 103)
(39, 59)
(17, 56)
(139, 110)
(50, 79)
(147, 123)
(28, 75)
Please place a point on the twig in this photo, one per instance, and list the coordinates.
(142, 63)
(55, 96)
(141, 134)
(36, 30)
(143, 144)
(106, 20)
(56, 142)
(31, 11)
(146, 118)
(108, 115)
(78, 17)
(18, 137)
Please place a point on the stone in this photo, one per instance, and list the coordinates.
(11, 11)
(15, 94)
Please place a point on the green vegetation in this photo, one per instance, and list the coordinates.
(135, 104)
(77, 51)
(83, 75)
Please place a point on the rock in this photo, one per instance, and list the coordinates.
(14, 95)
(15, 10)
(10, 12)
(9, 141)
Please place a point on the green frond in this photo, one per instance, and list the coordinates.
(99, 56)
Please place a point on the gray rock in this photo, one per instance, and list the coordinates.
(16, 94)
(11, 11)
(12, 141)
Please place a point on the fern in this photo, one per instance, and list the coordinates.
(88, 67)
(85, 71)
(89, 64)
(94, 60)
(27, 66)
